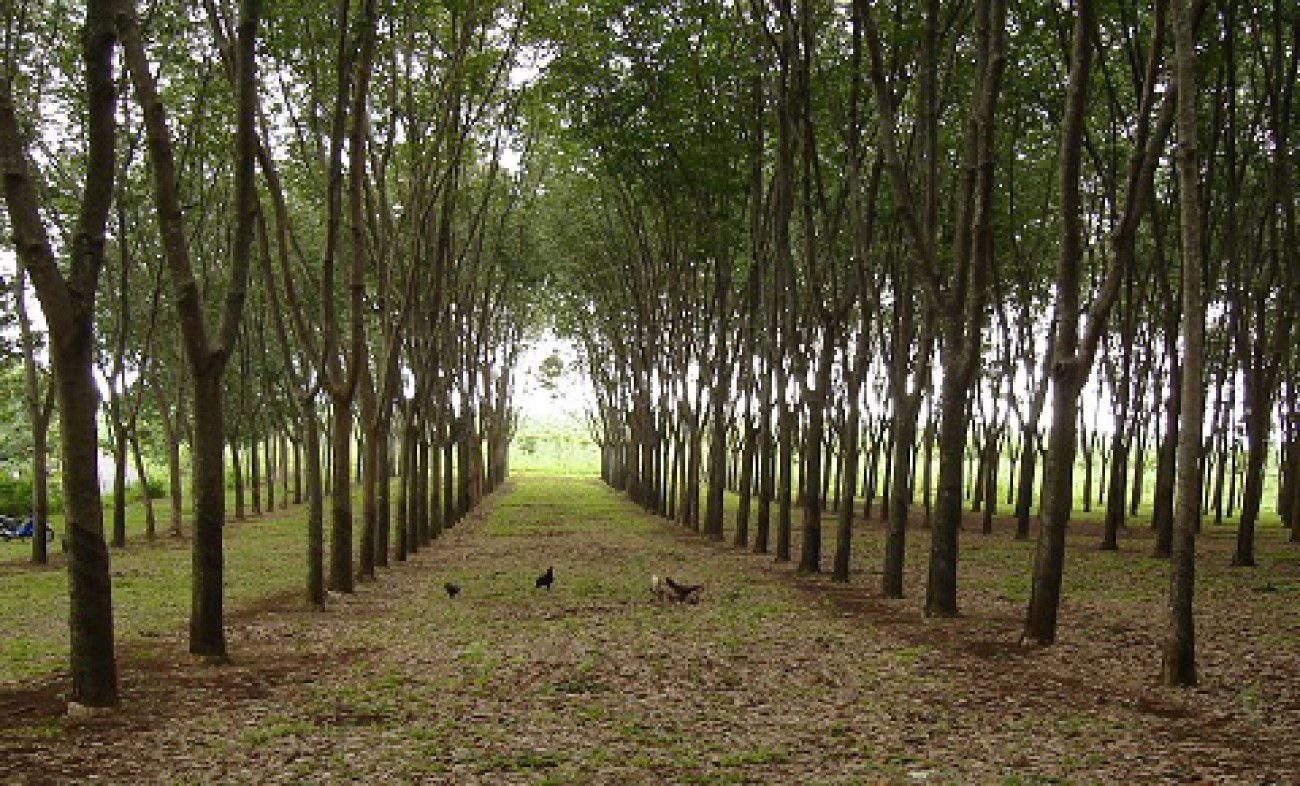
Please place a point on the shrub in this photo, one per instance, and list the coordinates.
(16, 497)
(156, 488)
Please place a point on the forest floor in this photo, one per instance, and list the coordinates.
(772, 678)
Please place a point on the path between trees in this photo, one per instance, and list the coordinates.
(772, 678)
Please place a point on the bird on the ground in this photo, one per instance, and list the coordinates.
(684, 593)
(452, 589)
(546, 579)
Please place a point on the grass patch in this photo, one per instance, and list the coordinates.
(264, 557)
(277, 729)
(520, 761)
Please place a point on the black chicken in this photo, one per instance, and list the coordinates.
(684, 593)
(546, 579)
(452, 589)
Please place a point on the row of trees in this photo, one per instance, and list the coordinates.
(781, 231)
(800, 218)
(350, 268)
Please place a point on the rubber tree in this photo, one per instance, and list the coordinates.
(1075, 345)
(1178, 666)
(207, 354)
(68, 302)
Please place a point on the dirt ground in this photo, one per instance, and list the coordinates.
(772, 678)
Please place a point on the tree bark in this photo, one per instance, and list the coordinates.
(1178, 665)
(340, 563)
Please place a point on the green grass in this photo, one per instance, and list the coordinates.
(264, 556)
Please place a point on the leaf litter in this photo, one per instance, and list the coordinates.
(774, 677)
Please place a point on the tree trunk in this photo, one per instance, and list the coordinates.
(94, 666)
(284, 473)
(1162, 514)
(175, 489)
(370, 447)
(1115, 495)
(1178, 665)
(810, 553)
(39, 408)
(255, 472)
(941, 586)
(142, 480)
(1257, 433)
(418, 511)
(748, 454)
(236, 473)
(992, 456)
(446, 518)
(717, 459)
(271, 458)
(313, 474)
(1088, 447)
(340, 567)
(207, 627)
(785, 460)
(119, 484)
(766, 459)
(383, 501)
(1139, 470)
(906, 412)
(1025, 482)
(298, 469)
(1057, 494)
(41, 490)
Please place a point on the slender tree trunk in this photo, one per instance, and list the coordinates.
(717, 459)
(785, 515)
(1139, 471)
(255, 473)
(340, 567)
(941, 586)
(175, 487)
(1025, 482)
(271, 458)
(370, 447)
(1178, 665)
(1088, 448)
(904, 423)
(236, 475)
(119, 484)
(1257, 428)
(313, 474)
(383, 501)
(298, 469)
(766, 463)
(38, 415)
(418, 505)
(748, 454)
(146, 499)
(284, 472)
(991, 461)
(41, 489)
(207, 627)
(848, 489)
(1058, 484)
(810, 552)
(405, 464)
(1162, 514)
(1116, 487)
(448, 517)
